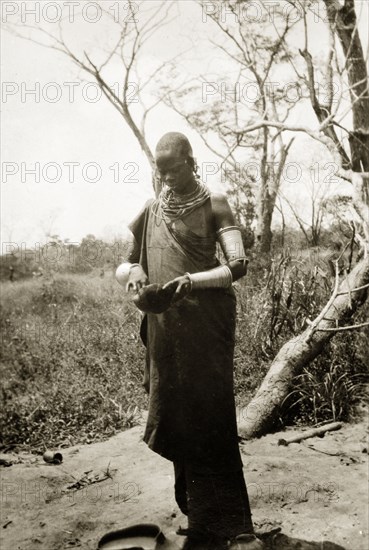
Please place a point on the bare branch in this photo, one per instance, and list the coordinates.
(313, 325)
(340, 329)
(363, 287)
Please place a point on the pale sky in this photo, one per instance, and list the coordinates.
(75, 129)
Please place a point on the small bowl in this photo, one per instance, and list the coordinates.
(144, 535)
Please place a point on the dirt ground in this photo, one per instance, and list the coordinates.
(316, 490)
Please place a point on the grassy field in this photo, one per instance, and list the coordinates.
(72, 360)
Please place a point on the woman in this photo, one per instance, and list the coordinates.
(189, 375)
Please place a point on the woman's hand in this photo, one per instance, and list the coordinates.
(182, 285)
(137, 278)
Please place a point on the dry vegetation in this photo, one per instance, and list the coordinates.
(72, 359)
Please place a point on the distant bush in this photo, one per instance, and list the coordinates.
(58, 256)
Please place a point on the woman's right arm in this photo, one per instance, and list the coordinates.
(130, 274)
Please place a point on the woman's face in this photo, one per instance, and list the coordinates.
(175, 172)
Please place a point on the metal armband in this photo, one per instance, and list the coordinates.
(230, 240)
(219, 277)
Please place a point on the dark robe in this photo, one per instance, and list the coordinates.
(189, 350)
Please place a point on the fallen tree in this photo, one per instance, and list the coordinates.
(263, 410)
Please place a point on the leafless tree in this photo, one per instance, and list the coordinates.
(256, 52)
(132, 32)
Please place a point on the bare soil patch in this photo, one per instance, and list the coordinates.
(315, 490)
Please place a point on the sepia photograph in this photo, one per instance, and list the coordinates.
(184, 275)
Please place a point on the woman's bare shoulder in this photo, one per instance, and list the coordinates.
(223, 215)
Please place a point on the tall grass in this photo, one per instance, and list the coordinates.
(335, 383)
(71, 362)
(274, 302)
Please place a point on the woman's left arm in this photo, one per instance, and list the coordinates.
(229, 236)
(230, 239)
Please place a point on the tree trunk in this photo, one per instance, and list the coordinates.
(144, 146)
(344, 22)
(264, 213)
(271, 174)
(263, 410)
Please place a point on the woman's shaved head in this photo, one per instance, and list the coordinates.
(175, 164)
(174, 144)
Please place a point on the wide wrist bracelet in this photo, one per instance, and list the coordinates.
(219, 277)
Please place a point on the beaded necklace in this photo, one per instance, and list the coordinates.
(175, 206)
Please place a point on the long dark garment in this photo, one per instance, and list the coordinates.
(192, 418)
(216, 504)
